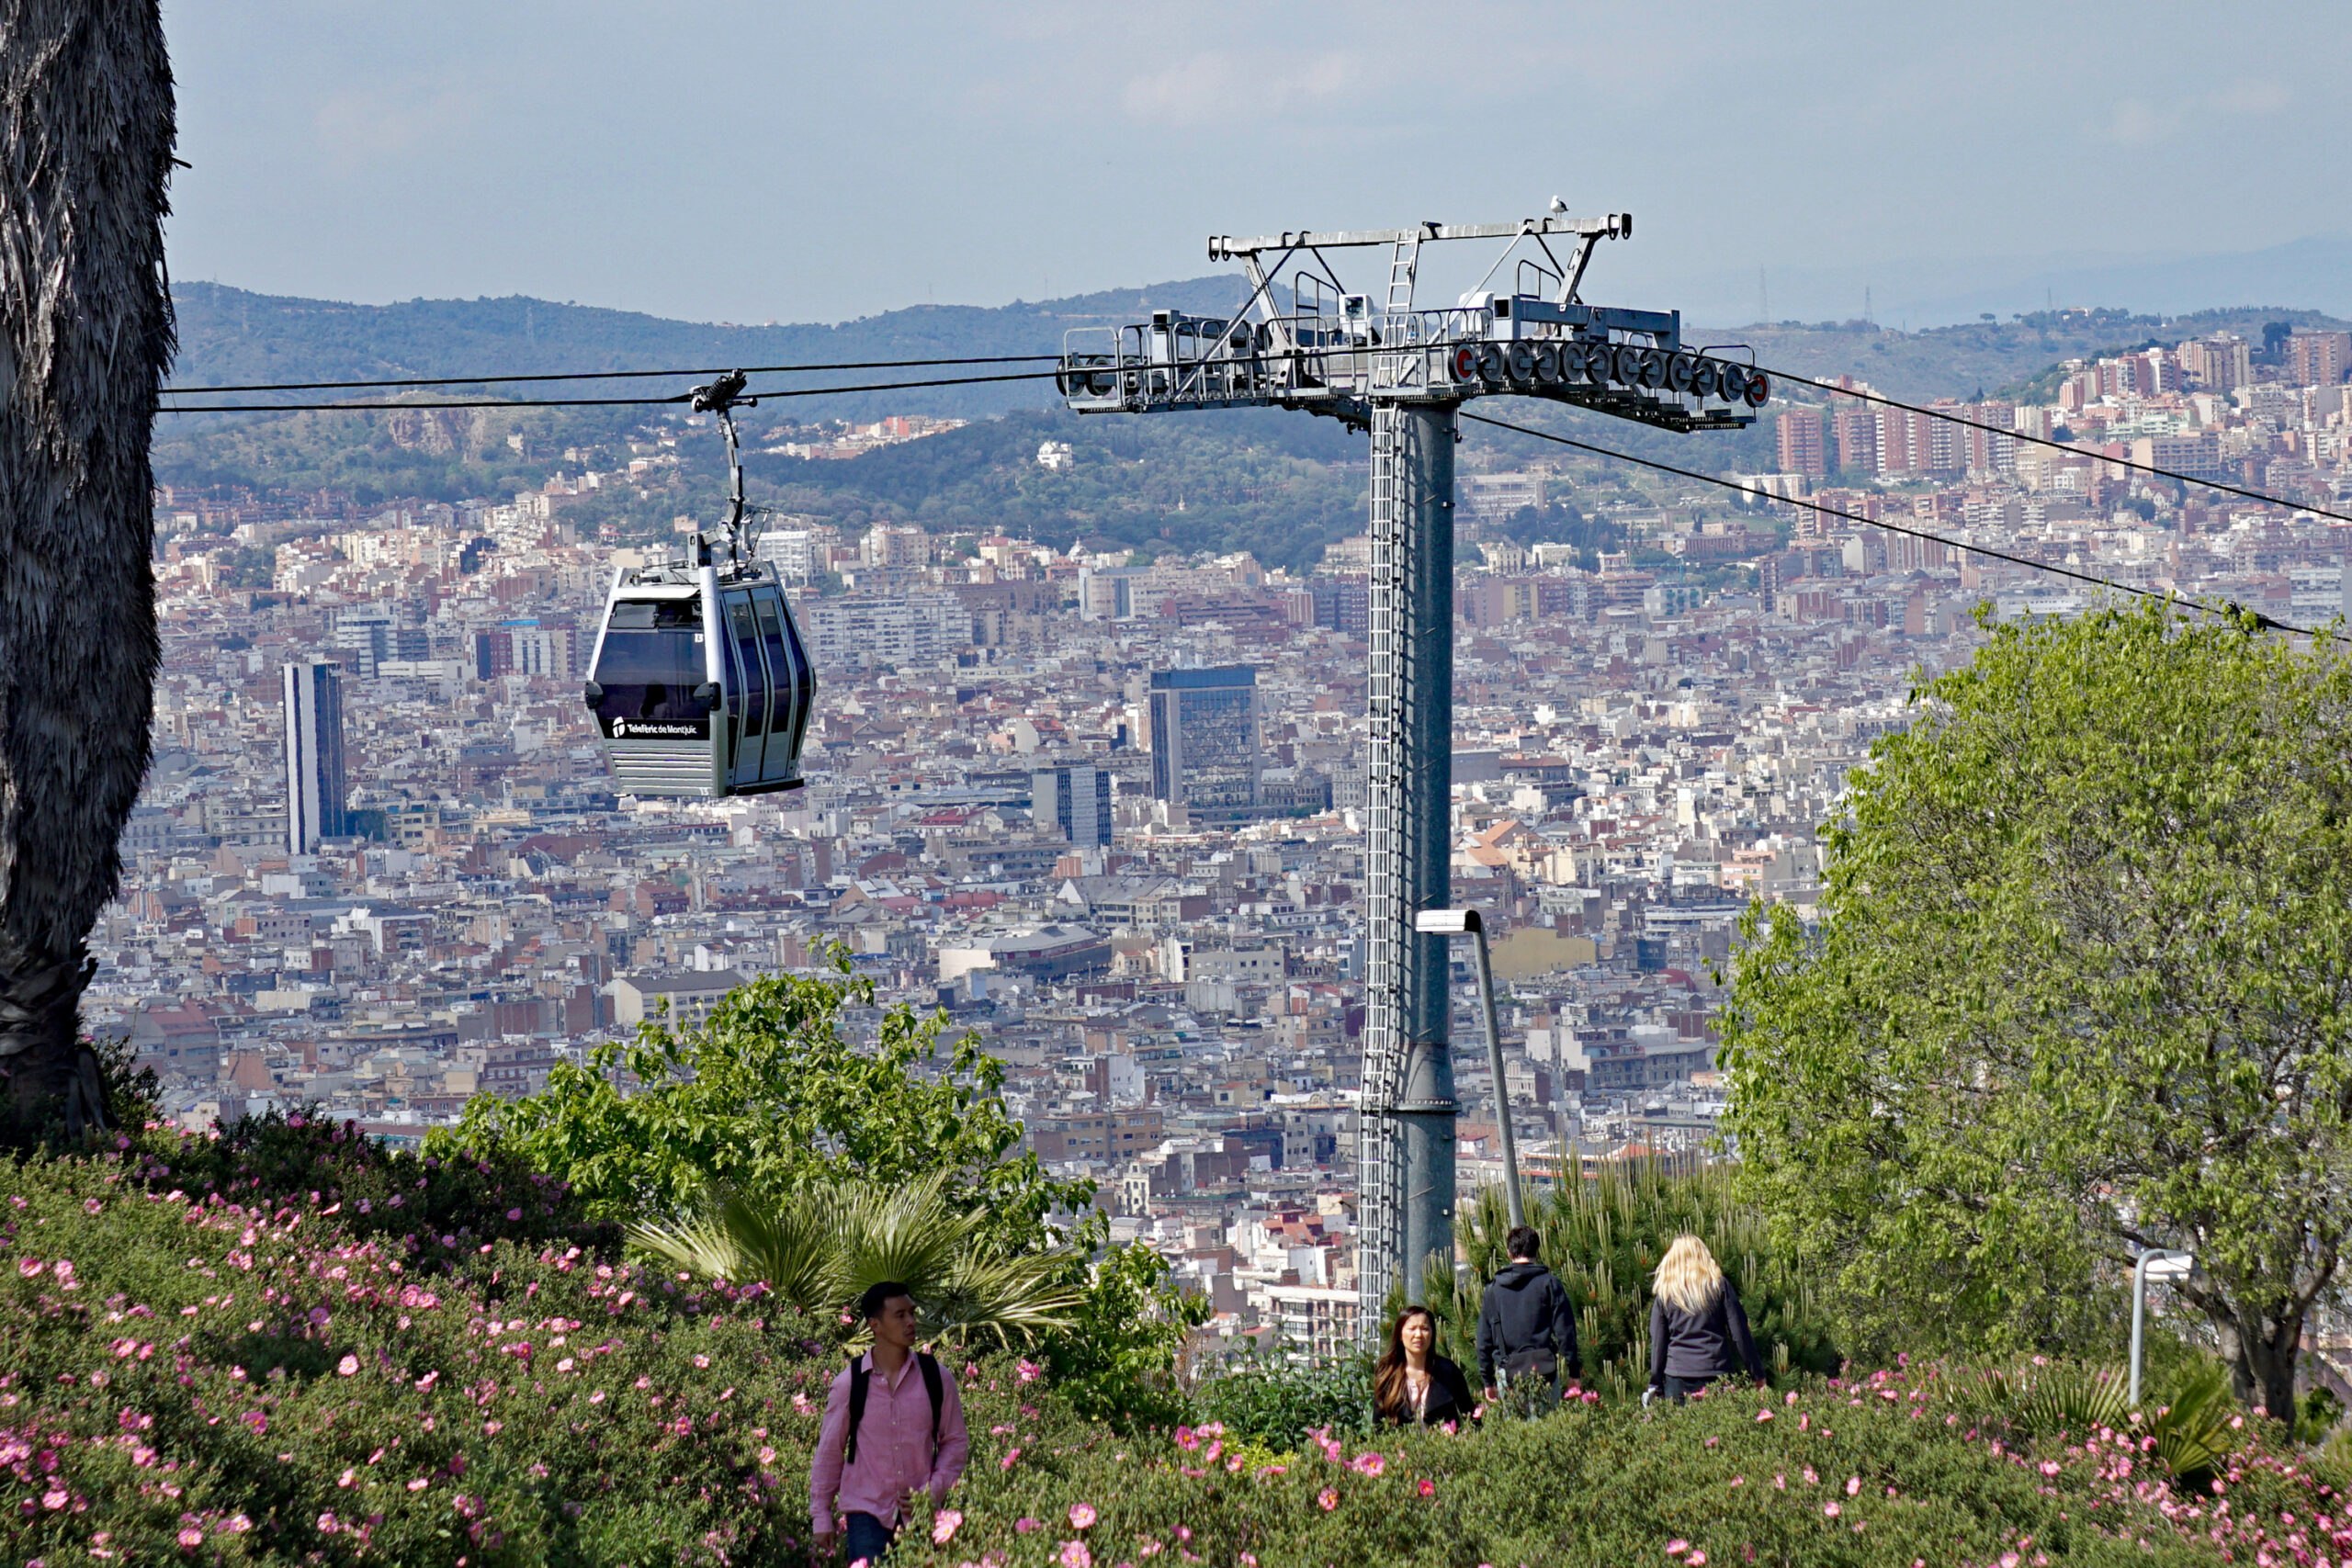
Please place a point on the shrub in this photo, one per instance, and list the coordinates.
(1881, 1473)
(820, 1248)
(2193, 1423)
(767, 1096)
(1282, 1406)
(268, 1383)
(433, 1206)
(1117, 1361)
(194, 1377)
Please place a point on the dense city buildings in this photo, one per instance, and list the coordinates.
(1108, 812)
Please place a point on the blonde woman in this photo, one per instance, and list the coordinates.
(1697, 1332)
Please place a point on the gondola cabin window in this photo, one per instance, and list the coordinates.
(651, 665)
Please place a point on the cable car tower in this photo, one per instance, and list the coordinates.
(1402, 372)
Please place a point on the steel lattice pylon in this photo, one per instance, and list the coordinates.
(1406, 1107)
(1402, 373)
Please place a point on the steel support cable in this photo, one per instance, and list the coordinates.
(602, 402)
(607, 375)
(1949, 417)
(2225, 608)
(747, 370)
(1060, 368)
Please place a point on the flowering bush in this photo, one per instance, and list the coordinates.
(1280, 1404)
(197, 1376)
(433, 1207)
(203, 1376)
(1876, 1471)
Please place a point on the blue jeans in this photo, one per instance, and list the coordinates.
(865, 1536)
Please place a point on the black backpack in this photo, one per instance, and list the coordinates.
(859, 1376)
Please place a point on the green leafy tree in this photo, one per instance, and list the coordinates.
(1118, 1360)
(767, 1096)
(2081, 984)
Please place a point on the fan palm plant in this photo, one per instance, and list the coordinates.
(819, 1247)
(2057, 1400)
(85, 334)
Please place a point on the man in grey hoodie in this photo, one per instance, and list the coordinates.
(1526, 1328)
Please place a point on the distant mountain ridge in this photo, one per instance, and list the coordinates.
(229, 335)
(2313, 272)
(1281, 487)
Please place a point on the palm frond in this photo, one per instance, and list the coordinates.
(698, 1243)
(819, 1247)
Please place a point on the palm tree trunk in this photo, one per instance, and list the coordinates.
(87, 130)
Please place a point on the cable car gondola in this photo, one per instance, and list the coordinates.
(700, 684)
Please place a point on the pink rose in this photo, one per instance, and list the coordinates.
(1081, 1516)
(945, 1525)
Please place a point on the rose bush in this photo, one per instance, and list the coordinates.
(241, 1375)
(250, 1373)
(1879, 1472)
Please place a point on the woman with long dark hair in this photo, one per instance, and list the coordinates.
(1411, 1383)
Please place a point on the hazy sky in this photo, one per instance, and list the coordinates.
(752, 160)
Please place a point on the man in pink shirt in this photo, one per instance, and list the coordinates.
(894, 1423)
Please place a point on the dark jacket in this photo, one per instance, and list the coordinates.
(1524, 1318)
(1710, 1343)
(1450, 1397)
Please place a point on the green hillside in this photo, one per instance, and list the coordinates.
(1280, 487)
(228, 336)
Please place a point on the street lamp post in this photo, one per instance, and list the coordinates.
(2154, 1264)
(1465, 922)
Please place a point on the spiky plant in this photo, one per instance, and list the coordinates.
(820, 1249)
(1603, 1237)
(2061, 1400)
(85, 336)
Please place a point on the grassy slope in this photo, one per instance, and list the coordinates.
(267, 1376)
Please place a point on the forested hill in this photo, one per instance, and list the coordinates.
(229, 335)
(1281, 486)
